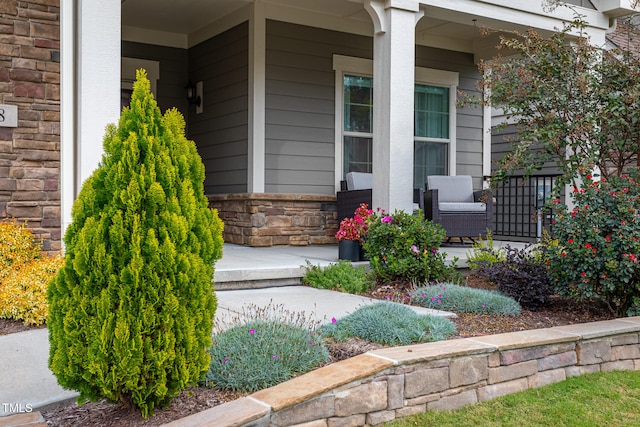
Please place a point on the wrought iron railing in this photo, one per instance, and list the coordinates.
(519, 211)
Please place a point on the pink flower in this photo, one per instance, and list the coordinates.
(333, 320)
(252, 331)
(387, 219)
(414, 248)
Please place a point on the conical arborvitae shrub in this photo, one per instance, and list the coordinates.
(131, 310)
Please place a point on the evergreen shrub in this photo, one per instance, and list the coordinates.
(131, 311)
(462, 299)
(406, 246)
(343, 276)
(389, 323)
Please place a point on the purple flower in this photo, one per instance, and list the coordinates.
(225, 360)
(414, 249)
(252, 331)
(434, 251)
(387, 219)
(275, 357)
(333, 320)
(484, 306)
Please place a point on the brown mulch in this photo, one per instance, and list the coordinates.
(195, 399)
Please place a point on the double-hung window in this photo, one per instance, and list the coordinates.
(434, 119)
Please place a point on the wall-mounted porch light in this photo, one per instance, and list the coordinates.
(192, 94)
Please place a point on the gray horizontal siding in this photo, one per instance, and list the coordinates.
(221, 131)
(173, 72)
(300, 99)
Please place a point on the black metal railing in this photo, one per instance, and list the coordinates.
(519, 211)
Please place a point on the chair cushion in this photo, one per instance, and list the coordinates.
(453, 189)
(359, 181)
(462, 207)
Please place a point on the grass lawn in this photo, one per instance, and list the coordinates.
(602, 399)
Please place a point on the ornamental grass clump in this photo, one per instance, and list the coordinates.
(462, 299)
(131, 311)
(406, 246)
(343, 277)
(599, 244)
(389, 323)
(263, 347)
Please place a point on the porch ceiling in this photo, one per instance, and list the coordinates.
(186, 17)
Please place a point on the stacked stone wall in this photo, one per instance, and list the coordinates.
(391, 383)
(30, 152)
(257, 219)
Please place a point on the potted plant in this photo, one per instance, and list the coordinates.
(352, 234)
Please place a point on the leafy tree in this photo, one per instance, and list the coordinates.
(131, 310)
(573, 103)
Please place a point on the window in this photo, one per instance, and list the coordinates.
(358, 124)
(431, 130)
(434, 119)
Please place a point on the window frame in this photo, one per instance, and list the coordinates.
(349, 65)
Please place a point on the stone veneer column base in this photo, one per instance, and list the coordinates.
(267, 219)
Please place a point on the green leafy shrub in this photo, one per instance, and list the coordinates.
(343, 276)
(406, 246)
(523, 275)
(390, 324)
(461, 299)
(599, 244)
(483, 254)
(131, 310)
(262, 347)
(23, 292)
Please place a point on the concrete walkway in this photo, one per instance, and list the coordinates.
(243, 276)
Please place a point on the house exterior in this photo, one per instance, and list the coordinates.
(293, 94)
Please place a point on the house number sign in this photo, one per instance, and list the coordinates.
(8, 116)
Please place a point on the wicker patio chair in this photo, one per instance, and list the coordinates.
(462, 212)
(356, 189)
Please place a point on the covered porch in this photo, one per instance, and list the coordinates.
(284, 96)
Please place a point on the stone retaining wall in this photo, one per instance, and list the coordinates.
(263, 219)
(30, 80)
(386, 384)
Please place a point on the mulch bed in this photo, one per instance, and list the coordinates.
(195, 399)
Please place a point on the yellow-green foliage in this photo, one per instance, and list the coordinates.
(23, 291)
(17, 246)
(131, 310)
(24, 274)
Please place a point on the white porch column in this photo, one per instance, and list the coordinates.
(98, 78)
(90, 37)
(257, 103)
(393, 100)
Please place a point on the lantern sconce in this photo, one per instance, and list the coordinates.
(194, 95)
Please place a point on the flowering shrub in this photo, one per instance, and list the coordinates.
(599, 244)
(402, 245)
(355, 228)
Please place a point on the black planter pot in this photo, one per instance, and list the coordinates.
(349, 250)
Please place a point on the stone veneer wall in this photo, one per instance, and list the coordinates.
(30, 79)
(262, 219)
(386, 384)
